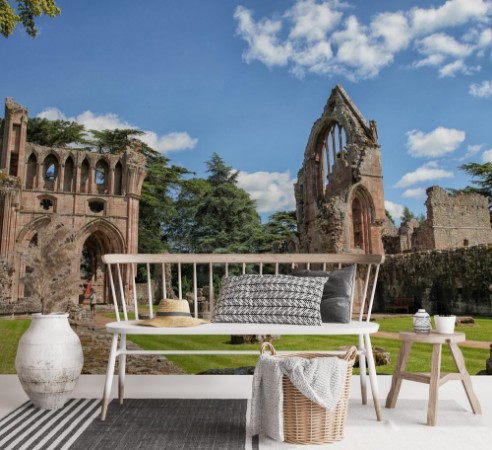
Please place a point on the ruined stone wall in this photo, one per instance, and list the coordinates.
(339, 190)
(452, 281)
(457, 221)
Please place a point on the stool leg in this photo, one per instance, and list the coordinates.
(401, 365)
(434, 384)
(465, 377)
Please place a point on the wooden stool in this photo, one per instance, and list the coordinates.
(435, 378)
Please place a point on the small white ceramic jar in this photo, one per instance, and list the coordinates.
(422, 322)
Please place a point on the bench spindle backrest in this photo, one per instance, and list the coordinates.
(165, 275)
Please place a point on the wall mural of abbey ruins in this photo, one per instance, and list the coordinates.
(95, 194)
(339, 207)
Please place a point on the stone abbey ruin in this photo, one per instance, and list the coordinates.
(95, 194)
(443, 264)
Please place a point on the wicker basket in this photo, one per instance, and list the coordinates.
(306, 422)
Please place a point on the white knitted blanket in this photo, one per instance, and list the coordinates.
(319, 379)
(267, 414)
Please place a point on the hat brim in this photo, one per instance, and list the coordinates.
(172, 322)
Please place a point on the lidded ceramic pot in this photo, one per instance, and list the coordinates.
(421, 322)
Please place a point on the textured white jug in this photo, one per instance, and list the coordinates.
(49, 360)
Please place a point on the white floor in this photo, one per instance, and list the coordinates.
(453, 406)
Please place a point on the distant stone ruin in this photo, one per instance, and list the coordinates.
(339, 189)
(453, 221)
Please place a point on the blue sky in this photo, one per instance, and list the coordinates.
(247, 79)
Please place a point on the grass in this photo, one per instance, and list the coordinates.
(419, 361)
(10, 333)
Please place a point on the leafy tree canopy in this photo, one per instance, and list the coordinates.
(407, 214)
(114, 141)
(482, 179)
(279, 227)
(214, 214)
(55, 133)
(389, 217)
(25, 12)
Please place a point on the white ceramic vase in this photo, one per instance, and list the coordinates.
(445, 324)
(49, 360)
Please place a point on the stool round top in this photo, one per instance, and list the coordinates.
(431, 338)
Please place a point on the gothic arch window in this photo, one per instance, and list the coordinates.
(102, 177)
(362, 215)
(50, 172)
(31, 172)
(84, 176)
(118, 179)
(331, 149)
(68, 178)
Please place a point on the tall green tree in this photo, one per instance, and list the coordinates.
(55, 133)
(115, 141)
(157, 207)
(482, 179)
(215, 214)
(24, 12)
(279, 227)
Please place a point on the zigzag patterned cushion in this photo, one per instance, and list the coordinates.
(270, 299)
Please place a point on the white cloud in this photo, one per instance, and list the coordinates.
(487, 156)
(395, 210)
(170, 142)
(427, 172)
(471, 151)
(482, 90)
(262, 39)
(443, 44)
(414, 193)
(394, 29)
(316, 36)
(436, 143)
(311, 20)
(273, 191)
(452, 13)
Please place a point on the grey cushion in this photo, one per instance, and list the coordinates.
(270, 299)
(335, 303)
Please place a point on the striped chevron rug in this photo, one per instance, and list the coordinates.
(137, 424)
(30, 428)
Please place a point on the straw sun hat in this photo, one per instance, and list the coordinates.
(173, 313)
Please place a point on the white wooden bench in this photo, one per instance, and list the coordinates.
(122, 269)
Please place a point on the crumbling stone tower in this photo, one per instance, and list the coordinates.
(339, 189)
(95, 194)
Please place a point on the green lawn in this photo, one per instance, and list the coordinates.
(10, 333)
(11, 330)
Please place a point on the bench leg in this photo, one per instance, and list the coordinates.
(363, 371)
(122, 369)
(372, 377)
(401, 365)
(109, 377)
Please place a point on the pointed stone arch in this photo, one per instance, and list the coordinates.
(69, 174)
(361, 214)
(31, 171)
(51, 172)
(96, 239)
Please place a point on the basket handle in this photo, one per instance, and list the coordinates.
(268, 346)
(351, 353)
